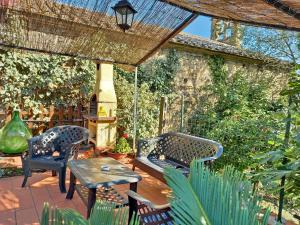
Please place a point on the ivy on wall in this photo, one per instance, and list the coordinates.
(36, 79)
(239, 116)
(32, 80)
(158, 73)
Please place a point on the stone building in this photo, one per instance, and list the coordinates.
(193, 52)
(194, 73)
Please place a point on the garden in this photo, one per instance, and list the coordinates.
(246, 126)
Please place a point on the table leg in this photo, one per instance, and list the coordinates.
(91, 200)
(132, 202)
(72, 186)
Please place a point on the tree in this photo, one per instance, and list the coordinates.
(274, 43)
(285, 165)
(281, 166)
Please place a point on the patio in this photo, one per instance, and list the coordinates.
(24, 205)
(87, 30)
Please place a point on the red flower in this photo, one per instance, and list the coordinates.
(125, 136)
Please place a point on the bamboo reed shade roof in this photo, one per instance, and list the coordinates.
(88, 29)
(283, 14)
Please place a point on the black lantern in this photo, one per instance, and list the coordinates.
(124, 14)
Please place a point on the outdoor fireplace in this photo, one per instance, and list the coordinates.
(102, 109)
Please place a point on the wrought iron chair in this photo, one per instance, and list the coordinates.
(174, 150)
(65, 140)
(149, 213)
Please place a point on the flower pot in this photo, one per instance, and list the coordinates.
(131, 155)
(116, 156)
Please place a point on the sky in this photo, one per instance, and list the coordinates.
(200, 26)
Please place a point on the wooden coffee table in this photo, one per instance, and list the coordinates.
(95, 183)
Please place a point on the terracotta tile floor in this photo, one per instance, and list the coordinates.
(23, 206)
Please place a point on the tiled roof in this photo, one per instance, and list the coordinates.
(219, 47)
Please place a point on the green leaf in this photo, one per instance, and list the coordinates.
(210, 198)
(189, 210)
(103, 213)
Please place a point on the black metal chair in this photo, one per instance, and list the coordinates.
(65, 140)
(174, 150)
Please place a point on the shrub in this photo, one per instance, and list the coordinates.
(155, 79)
(122, 146)
(148, 108)
(242, 137)
(239, 117)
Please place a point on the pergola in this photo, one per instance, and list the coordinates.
(281, 14)
(87, 28)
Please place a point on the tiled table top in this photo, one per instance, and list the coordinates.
(90, 174)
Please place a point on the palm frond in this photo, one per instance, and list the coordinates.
(103, 213)
(209, 198)
(186, 207)
(45, 214)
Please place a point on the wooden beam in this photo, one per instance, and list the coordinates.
(284, 8)
(183, 25)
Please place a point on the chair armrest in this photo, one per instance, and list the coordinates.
(72, 149)
(146, 146)
(207, 159)
(146, 202)
(219, 152)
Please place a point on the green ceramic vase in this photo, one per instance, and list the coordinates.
(14, 135)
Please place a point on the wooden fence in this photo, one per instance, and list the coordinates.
(48, 117)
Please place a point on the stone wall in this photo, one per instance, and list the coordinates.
(194, 75)
(194, 72)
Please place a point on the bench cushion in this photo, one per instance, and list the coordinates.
(155, 167)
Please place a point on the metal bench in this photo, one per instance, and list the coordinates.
(174, 150)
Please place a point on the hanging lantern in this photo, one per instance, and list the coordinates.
(124, 12)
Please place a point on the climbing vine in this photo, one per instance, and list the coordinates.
(279, 169)
(32, 80)
(252, 127)
(155, 79)
(158, 73)
(237, 114)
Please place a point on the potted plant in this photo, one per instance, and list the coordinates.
(122, 148)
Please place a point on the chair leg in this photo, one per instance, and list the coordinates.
(54, 174)
(62, 180)
(27, 173)
(133, 167)
(25, 180)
